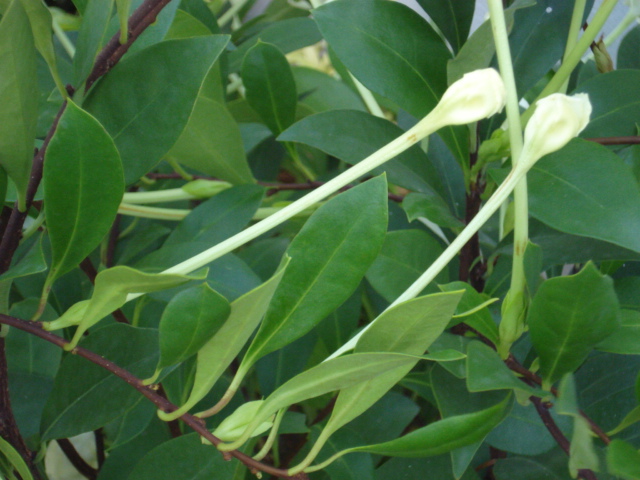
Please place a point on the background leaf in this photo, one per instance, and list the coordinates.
(81, 163)
(453, 18)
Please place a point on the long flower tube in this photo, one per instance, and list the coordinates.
(556, 120)
(477, 95)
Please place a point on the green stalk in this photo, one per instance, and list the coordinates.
(574, 30)
(572, 60)
(158, 196)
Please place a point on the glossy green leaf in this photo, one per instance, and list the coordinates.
(568, 317)
(409, 327)
(345, 235)
(15, 459)
(29, 259)
(321, 92)
(18, 95)
(148, 123)
(370, 39)
(486, 371)
(442, 436)
(218, 218)
(81, 164)
(623, 460)
(614, 97)
(598, 194)
(288, 35)
(352, 135)
(626, 338)
(405, 255)
(92, 35)
(110, 292)
(86, 396)
(453, 18)
(186, 458)
(211, 144)
(216, 355)
(270, 87)
(190, 319)
(482, 321)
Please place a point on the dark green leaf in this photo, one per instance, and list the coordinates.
(18, 95)
(431, 207)
(81, 164)
(146, 122)
(211, 144)
(568, 317)
(627, 57)
(546, 467)
(320, 91)
(92, 35)
(86, 396)
(190, 319)
(29, 259)
(405, 255)
(626, 338)
(345, 235)
(270, 87)
(453, 18)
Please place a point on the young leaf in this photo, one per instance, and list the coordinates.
(568, 317)
(215, 356)
(345, 236)
(190, 319)
(146, 122)
(211, 143)
(15, 459)
(271, 89)
(18, 96)
(110, 292)
(81, 165)
(623, 460)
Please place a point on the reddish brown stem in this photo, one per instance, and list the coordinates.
(629, 140)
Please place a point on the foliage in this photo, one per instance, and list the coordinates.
(294, 234)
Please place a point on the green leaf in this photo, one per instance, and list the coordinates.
(431, 207)
(185, 25)
(110, 292)
(321, 92)
(92, 35)
(623, 460)
(81, 164)
(630, 418)
(211, 144)
(270, 87)
(486, 371)
(190, 319)
(29, 259)
(216, 355)
(370, 39)
(405, 255)
(552, 466)
(568, 317)
(627, 48)
(15, 459)
(410, 327)
(626, 338)
(146, 122)
(352, 136)
(442, 436)
(482, 321)
(598, 194)
(453, 18)
(614, 97)
(85, 396)
(18, 96)
(185, 458)
(345, 235)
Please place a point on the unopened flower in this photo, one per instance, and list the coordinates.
(477, 95)
(556, 120)
(232, 427)
(634, 7)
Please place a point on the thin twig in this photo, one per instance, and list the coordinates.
(629, 140)
(76, 460)
(162, 403)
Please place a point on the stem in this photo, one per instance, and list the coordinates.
(273, 434)
(64, 40)
(175, 214)
(162, 403)
(368, 98)
(158, 196)
(573, 59)
(574, 30)
(227, 16)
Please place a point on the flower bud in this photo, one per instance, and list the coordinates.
(634, 7)
(557, 119)
(604, 63)
(232, 427)
(477, 95)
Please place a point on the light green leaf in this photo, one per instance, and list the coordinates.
(623, 460)
(123, 7)
(110, 292)
(15, 459)
(630, 418)
(568, 317)
(345, 235)
(270, 87)
(18, 96)
(211, 143)
(216, 355)
(190, 319)
(81, 164)
(146, 100)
